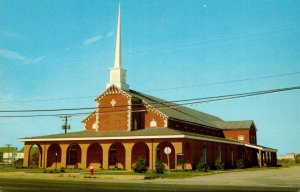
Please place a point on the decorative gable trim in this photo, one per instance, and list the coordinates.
(157, 112)
(89, 117)
(113, 90)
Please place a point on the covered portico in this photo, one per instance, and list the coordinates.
(121, 150)
(265, 156)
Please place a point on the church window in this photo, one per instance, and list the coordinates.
(135, 124)
(220, 152)
(204, 152)
(231, 156)
(241, 137)
(153, 123)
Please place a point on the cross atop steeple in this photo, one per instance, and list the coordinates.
(118, 74)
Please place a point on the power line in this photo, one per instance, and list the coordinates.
(157, 90)
(163, 105)
(224, 82)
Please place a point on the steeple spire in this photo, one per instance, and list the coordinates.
(118, 74)
(118, 51)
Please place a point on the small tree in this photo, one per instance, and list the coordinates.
(297, 159)
(159, 167)
(240, 164)
(140, 166)
(219, 165)
(202, 166)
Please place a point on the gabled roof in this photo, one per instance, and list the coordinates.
(176, 111)
(10, 149)
(227, 125)
(179, 112)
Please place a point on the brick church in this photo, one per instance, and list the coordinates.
(128, 125)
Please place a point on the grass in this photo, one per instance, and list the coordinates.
(50, 185)
(82, 181)
(148, 175)
(288, 163)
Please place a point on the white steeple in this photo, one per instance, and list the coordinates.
(117, 75)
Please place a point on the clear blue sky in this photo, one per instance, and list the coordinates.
(63, 48)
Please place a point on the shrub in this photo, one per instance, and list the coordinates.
(240, 164)
(202, 166)
(62, 170)
(297, 159)
(140, 166)
(159, 167)
(219, 165)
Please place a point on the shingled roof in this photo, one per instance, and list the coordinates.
(179, 112)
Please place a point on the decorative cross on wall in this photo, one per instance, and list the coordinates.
(113, 102)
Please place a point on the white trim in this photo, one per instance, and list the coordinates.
(214, 140)
(132, 137)
(261, 148)
(106, 138)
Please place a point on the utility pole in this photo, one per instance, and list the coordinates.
(65, 126)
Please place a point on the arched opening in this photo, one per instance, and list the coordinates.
(94, 156)
(160, 154)
(116, 157)
(54, 156)
(140, 151)
(35, 156)
(73, 155)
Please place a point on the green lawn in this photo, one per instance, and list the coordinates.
(39, 184)
(51, 181)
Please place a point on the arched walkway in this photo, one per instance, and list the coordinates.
(35, 156)
(73, 155)
(160, 154)
(94, 156)
(116, 157)
(140, 151)
(54, 156)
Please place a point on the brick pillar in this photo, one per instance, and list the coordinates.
(84, 148)
(128, 149)
(152, 154)
(105, 149)
(44, 148)
(26, 154)
(64, 150)
(178, 149)
(259, 158)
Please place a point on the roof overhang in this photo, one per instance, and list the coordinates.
(130, 138)
(261, 148)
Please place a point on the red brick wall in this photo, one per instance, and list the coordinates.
(113, 118)
(151, 115)
(253, 139)
(88, 124)
(233, 134)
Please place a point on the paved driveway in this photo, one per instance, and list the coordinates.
(272, 177)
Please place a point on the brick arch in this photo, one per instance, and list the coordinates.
(32, 160)
(53, 155)
(73, 155)
(94, 156)
(116, 155)
(160, 154)
(140, 150)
